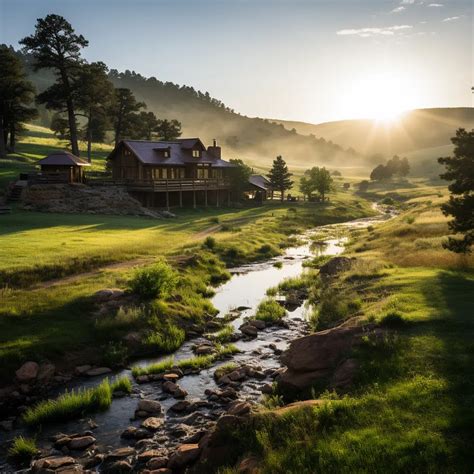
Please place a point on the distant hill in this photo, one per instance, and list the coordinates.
(253, 139)
(420, 134)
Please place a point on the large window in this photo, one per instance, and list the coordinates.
(196, 153)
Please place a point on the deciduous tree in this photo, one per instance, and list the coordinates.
(460, 170)
(239, 177)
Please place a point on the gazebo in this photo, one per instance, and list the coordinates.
(63, 167)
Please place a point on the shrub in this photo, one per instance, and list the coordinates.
(122, 384)
(387, 201)
(270, 311)
(410, 219)
(334, 306)
(393, 319)
(209, 243)
(156, 281)
(22, 449)
(70, 405)
(278, 265)
(214, 220)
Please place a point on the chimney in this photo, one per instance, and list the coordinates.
(215, 150)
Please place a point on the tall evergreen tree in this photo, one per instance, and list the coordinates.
(16, 94)
(279, 176)
(93, 96)
(123, 113)
(460, 170)
(147, 125)
(55, 45)
(168, 129)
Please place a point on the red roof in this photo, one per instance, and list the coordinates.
(62, 158)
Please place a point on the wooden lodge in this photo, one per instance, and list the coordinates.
(181, 172)
(61, 167)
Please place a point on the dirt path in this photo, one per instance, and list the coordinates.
(119, 265)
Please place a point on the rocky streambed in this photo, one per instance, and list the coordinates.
(164, 424)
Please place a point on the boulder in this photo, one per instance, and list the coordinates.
(204, 349)
(81, 442)
(257, 323)
(344, 374)
(239, 408)
(150, 454)
(153, 423)
(52, 462)
(180, 406)
(98, 371)
(157, 462)
(46, 372)
(27, 372)
(313, 357)
(249, 330)
(149, 406)
(174, 389)
(118, 467)
(119, 453)
(184, 455)
(82, 369)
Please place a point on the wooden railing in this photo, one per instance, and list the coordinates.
(163, 185)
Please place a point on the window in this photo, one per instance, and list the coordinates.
(196, 153)
(167, 154)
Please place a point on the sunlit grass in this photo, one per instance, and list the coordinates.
(22, 449)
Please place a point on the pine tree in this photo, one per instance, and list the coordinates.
(460, 170)
(55, 45)
(123, 113)
(279, 176)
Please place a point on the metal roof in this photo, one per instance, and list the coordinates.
(62, 158)
(152, 152)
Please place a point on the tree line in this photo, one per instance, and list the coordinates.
(86, 103)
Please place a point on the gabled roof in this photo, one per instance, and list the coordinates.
(260, 182)
(152, 152)
(62, 158)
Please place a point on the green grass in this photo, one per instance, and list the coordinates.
(71, 405)
(224, 335)
(22, 449)
(122, 384)
(157, 368)
(167, 339)
(225, 369)
(269, 310)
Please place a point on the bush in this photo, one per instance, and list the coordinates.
(270, 311)
(209, 243)
(156, 281)
(22, 449)
(334, 307)
(70, 405)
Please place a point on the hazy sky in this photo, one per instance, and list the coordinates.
(304, 60)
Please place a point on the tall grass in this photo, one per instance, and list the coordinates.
(270, 311)
(70, 405)
(122, 384)
(22, 449)
(169, 338)
(224, 335)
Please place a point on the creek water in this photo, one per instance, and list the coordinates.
(246, 289)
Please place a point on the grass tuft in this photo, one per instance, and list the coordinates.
(270, 311)
(22, 449)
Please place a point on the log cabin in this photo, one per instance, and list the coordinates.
(181, 172)
(61, 167)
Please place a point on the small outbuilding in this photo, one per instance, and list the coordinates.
(62, 167)
(259, 188)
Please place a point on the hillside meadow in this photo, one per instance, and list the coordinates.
(411, 406)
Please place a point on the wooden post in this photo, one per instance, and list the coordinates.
(205, 193)
(167, 197)
(194, 199)
(180, 194)
(217, 198)
(228, 197)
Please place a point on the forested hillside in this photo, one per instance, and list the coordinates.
(254, 139)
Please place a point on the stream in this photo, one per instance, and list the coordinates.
(246, 288)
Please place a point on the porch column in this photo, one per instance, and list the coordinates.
(217, 198)
(167, 197)
(205, 197)
(228, 197)
(194, 199)
(180, 195)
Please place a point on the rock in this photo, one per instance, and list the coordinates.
(184, 455)
(336, 265)
(52, 462)
(236, 375)
(172, 377)
(149, 406)
(46, 372)
(174, 389)
(249, 330)
(312, 357)
(180, 406)
(344, 374)
(257, 323)
(150, 454)
(118, 467)
(6, 425)
(163, 470)
(72, 469)
(226, 422)
(81, 442)
(153, 423)
(98, 371)
(204, 349)
(157, 462)
(142, 379)
(267, 389)
(27, 372)
(108, 294)
(248, 466)
(82, 369)
(239, 408)
(119, 453)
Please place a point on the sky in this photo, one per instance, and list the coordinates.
(306, 60)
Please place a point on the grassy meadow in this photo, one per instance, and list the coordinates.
(411, 406)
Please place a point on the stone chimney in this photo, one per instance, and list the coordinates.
(215, 150)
